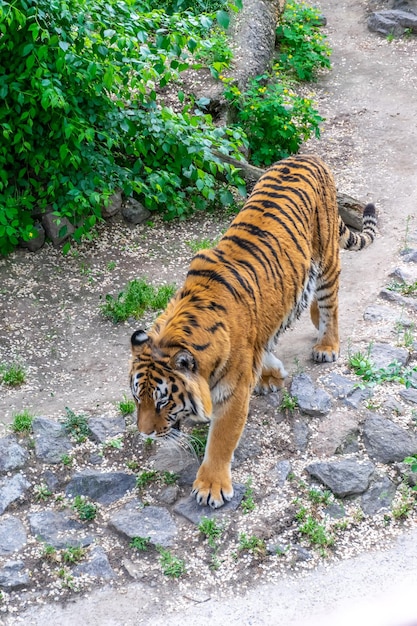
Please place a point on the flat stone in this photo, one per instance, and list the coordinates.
(335, 433)
(194, 512)
(152, 522)
(409, 395)
(37, 241)
(97, 565)
(379, 496)
(59, 529)
(281, 471)
(58, 229)
(343, 478)
(113, 206)
(11, 489)
(403, 301)
(383, 354)
(300, 432)
(51, 440)
(13, 576)
(134, 212)
(345, 389)
(104, 428)
(380, 313)
(387, 442)
(392, 22)
(12, 535)
(12, 455)
(99, 486)
(311, 399)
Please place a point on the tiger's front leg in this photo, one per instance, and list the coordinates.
(213, 484)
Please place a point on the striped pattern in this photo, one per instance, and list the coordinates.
(213, 344)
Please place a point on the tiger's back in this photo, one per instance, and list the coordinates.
(215, 340)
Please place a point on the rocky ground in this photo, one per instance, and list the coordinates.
(316, 484)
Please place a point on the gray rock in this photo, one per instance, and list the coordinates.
(282, 470)
(300, 432)
(391, 405)
(51, 480)
(59, 529)
(409, 395)
(97, 565)
(134, 212)
(411, 256)
(51, 440)
(392, 22)
(169, 495)
(12, 455)
(335, 510)
(380, 313)
(136, 520)
(345, 389)
(248, 448)
(335, 433)
(311, 400)
(103, 428)
(387, 442)
(383, 354)
(343, 478)
(58, 229)
(302, 554)
(379, 496)
(194, 512)
(404, 301)
(12, 535)
(13, 576)
(99, 486)
(11, 489)
(169, 458)
(114, 205)
(36, 242)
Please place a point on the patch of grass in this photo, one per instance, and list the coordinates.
(315, 533)
(135, 299)
(248, 503)
(49, 553)
(42, 492)
(116, 443)
(253, 544)
(67, 460)
(140, 543)
(172, 566)
(145, 478)
(169, 478)
(210, 529)
(198, 438)
(320, 497)
(76, 425)
(12, 375)
(73, 554)
(395, 372)
(22, 422)
(288, 402)
(126, 406)
(87, 511)
(405, 289)
(201, 244)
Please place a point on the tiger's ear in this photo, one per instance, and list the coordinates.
(137, 341)
(185, 362)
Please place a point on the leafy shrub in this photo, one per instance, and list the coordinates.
(13, 374)
(80, 117)
(135, 299)
(303, 48)
(22, 422)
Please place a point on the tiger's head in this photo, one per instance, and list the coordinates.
(166, 385)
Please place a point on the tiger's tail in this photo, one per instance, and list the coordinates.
(349, 240)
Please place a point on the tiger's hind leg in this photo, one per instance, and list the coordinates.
(324, 314)
(272, 375)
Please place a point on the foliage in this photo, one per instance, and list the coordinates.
(126, 406)
(87, 511)
(248, 503)
(135, 299)
(198, 438)
(13, 374)
(42, 492)
(76, 425)
(146, 477)
(140, 543)
(252, 544)
(275, 119)
(412, 460)
(405, 289)
(315, 532)
(81, 118)
(22, 422)
(172, 566)
(210, 529)
(73, 554)
(394, 372)
(303, 48)
(288, 402)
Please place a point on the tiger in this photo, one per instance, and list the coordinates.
(213, 345)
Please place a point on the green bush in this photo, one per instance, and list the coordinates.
(79, 84)
(135, 299)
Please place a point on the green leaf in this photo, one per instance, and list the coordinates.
(223, 19)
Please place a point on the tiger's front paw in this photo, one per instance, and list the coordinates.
(325, 353)
(212, 488)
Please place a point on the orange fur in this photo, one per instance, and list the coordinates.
(213, 344)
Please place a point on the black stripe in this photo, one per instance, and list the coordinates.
(215, 277)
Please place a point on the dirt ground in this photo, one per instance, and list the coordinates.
(49, 305)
